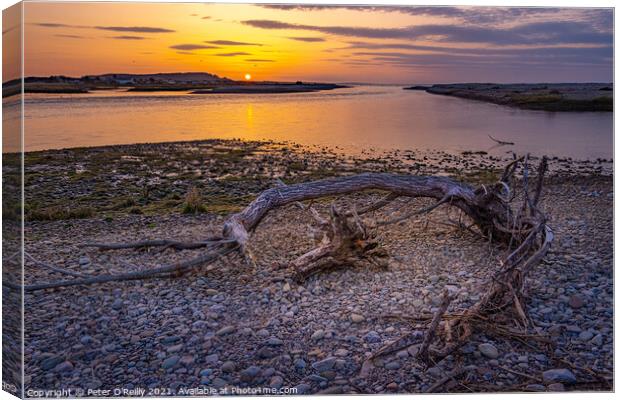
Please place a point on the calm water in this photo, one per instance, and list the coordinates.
(357, 118)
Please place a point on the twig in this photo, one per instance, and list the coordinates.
(423, 353)
(53, 267)
(501, 142)
(152, 273)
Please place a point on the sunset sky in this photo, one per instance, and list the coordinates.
(321, 43)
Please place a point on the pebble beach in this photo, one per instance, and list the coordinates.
(237, 327)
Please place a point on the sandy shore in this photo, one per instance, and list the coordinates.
(236, 325)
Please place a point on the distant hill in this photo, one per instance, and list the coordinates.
(159, 78)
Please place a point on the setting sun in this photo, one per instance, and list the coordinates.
(248, 77)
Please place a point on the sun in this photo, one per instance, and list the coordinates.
(248, 77)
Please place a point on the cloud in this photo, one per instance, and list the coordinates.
(70, 36)
(545, 57)
(259, 60)
(307, 39)
(141, 29)
(238, 53)
(125, 37)
(551, 32)
(232, 43)
(470, 14)
(186, 47)
(206, 17)
(53, 25)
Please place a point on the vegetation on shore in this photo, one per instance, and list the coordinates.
(217, 176)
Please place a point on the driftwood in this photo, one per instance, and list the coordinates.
(485, 206)
(503, 300)
(346, 239)
(501, 142)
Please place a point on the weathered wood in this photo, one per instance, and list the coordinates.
(481, 206)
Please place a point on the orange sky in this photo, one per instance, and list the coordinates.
(397, 45)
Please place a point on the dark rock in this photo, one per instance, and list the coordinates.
(325, 364)
(170, 362)
(561, 375)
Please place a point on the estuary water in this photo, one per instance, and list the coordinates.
(352, 119)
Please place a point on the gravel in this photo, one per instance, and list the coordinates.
(275, 332)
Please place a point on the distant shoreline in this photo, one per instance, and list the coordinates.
(199, 83)
(544, 96)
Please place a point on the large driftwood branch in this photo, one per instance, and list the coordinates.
(481, 205)
(347, 239)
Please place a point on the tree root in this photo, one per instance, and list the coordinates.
(346, 240)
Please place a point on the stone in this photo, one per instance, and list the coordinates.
(84, 261)
(248, 374)
(227, 330)
(265, 353)
(175, 349)
(597, 340)
(561, 375)
(435, 371)
(212, 358)
(341, 353)
(392, 366)
(402, 354)
(299, 363)
(86, 340)
(357, 318)
(263, 333)
(575, 301)
(118, 304)
(325, 364)
(302, 388)
(393, 386)
(219, 383)
(276, 382)
(585, 336)
(488, 350)
(535, 387)
(64, 367)
(318, 334)
(170, 362)
(228, 366)
(275, 342)
(556, 387)
(316, 378)
(372, 337)
(51, 362)
(187, 360)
